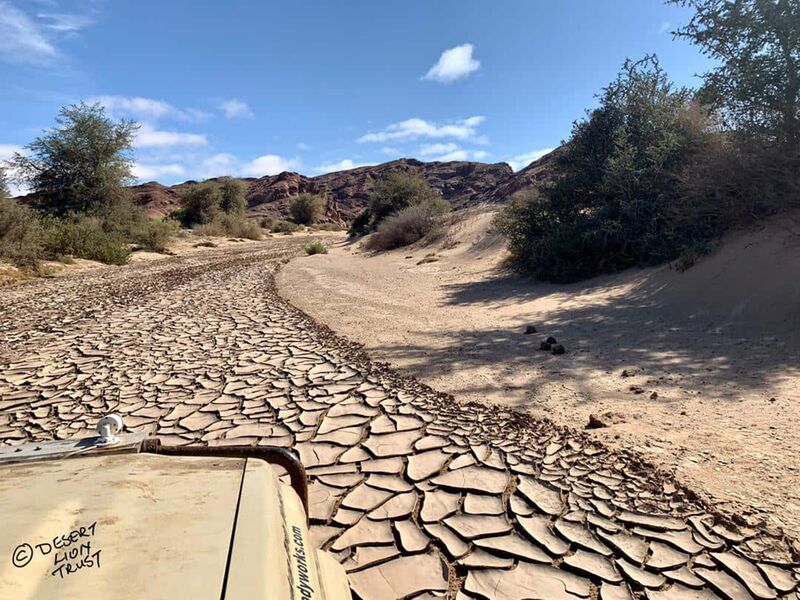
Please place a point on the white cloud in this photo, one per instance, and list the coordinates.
(448, 152)
(148, 137)
(21, 39)
(520, 161)
(389, 151)
(453, 64)
(236, 109)
(149, 172)
(65, 23)
(269, 164)
(412, 129)
(147, 108)
(8, 150)
(342, 165)
(431, 149)
(139, 107)
(666, 26)
(302, 146)
(218, 165)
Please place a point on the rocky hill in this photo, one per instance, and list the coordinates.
(462, 183)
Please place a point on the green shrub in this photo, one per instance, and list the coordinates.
(397, 190)
(391, 194)
(409, 225)
(200, 204)
(361, 224)
(20, 234)
(316, 248)
(618, 178)
(229, 225)
(242, 228)
(307, 209)
(232, 196)
(84, 237)
(155, 235)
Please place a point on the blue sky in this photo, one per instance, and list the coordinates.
(254, 88)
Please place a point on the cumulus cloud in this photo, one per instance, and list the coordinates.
(455, 63)
(218, 165)
(147, 108)
(520, 161)
(437, 149)
(148, 137)
(412, 129)
(236, 109)
(150, 172)
(269, 164)
(22, 40)
(342, 165)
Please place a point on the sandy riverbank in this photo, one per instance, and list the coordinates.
(700, 370)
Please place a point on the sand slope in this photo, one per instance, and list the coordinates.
(712, 355)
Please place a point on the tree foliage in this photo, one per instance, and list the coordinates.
(233, 199)
(617, 176)
(20, 233)
(4, 193)
(757, 46)
(81, 164)
(397, 190)
(200, 204)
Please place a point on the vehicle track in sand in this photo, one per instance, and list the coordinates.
(417, 495)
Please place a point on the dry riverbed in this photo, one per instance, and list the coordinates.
(698, 371)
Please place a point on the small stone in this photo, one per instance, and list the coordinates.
(558, 349)
(545, 346)
(596, 422)
(530, 329)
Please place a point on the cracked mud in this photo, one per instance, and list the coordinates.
(418, 496)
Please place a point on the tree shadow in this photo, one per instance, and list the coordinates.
(628, 327)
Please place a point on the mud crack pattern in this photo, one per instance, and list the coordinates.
(417, 495)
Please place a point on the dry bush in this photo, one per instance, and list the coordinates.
(731, 184)
(307, 209)
(84, 237)
(20, 234)
(229, 225)
(281, 226)
(409, 225)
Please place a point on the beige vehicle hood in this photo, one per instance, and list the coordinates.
(146, 526)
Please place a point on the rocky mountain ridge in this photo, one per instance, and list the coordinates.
(347, 192)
